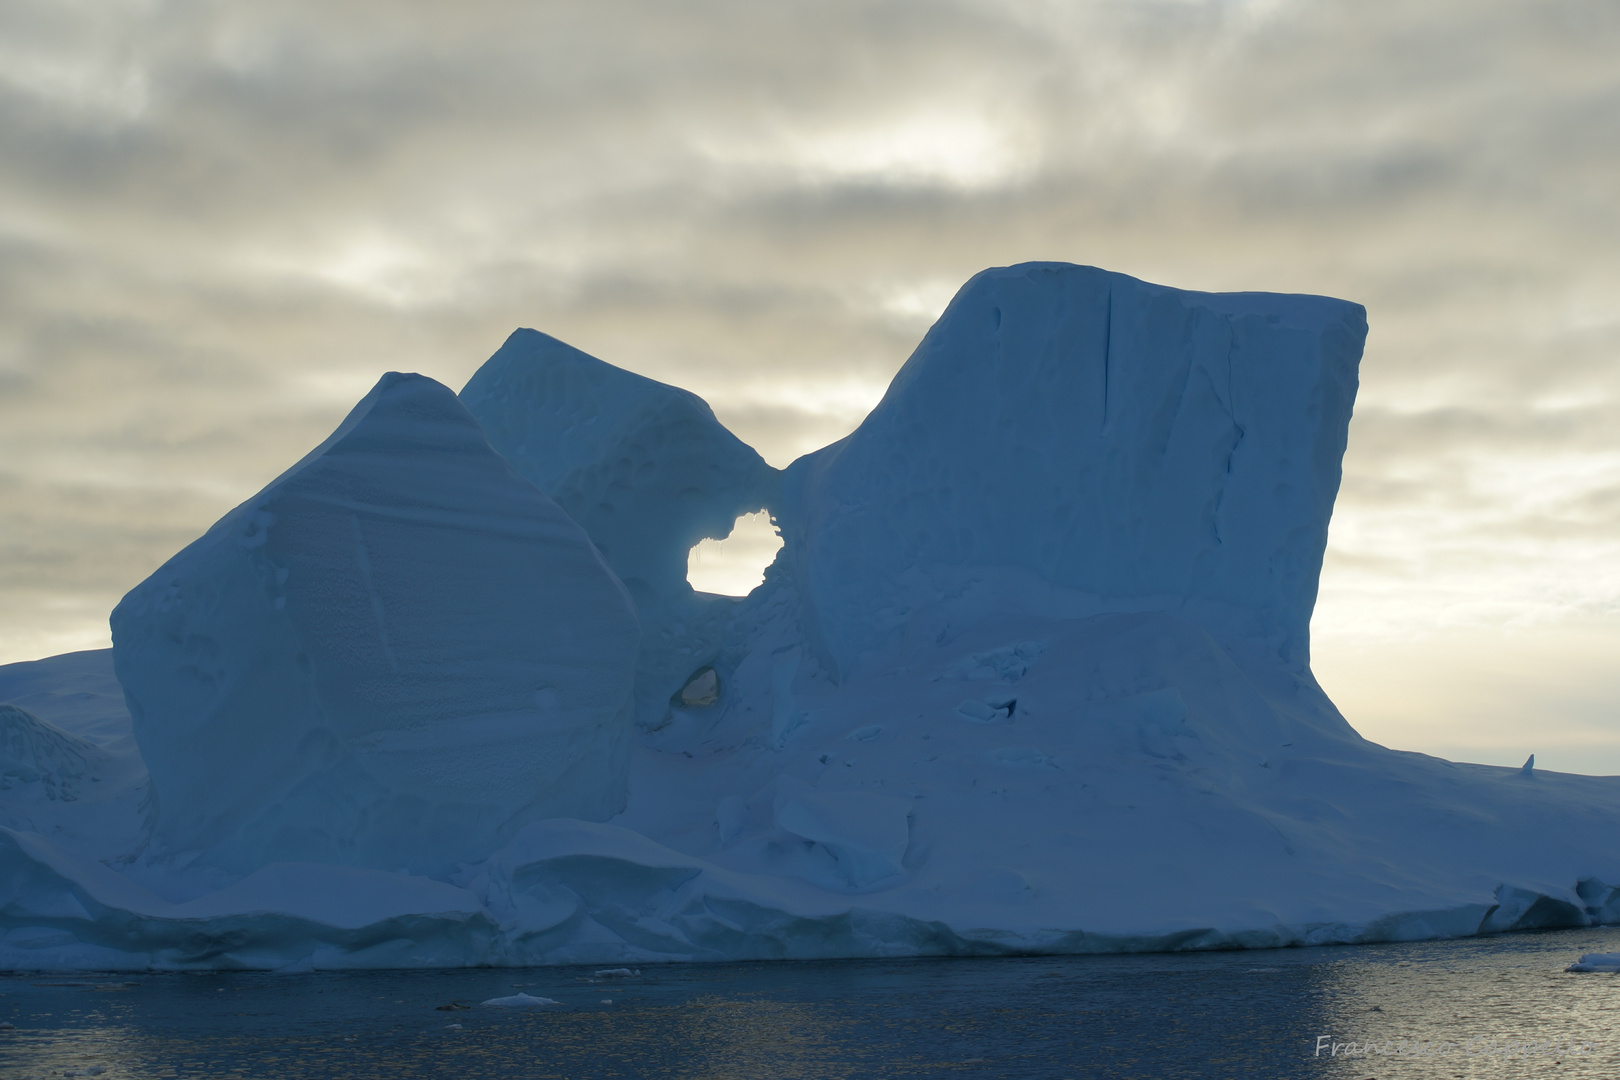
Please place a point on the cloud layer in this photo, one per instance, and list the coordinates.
(219, 223)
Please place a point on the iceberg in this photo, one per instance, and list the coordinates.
(1606, 962)
(1030, 674)
(520, 1001)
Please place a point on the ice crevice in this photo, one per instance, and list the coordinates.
(1037, 634)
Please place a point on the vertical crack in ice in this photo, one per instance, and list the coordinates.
(1167, 429)
(1231, 414)
(363, 559)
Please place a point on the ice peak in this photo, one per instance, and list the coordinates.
(394, 655)
(644, 467)
(1099, 443)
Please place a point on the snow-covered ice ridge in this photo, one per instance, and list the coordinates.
(1030, 674)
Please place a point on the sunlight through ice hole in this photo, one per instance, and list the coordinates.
(736, 565)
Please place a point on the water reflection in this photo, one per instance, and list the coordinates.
(1250, 1014)
(1473, 1009)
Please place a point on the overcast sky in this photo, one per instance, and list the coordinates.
(219, 223)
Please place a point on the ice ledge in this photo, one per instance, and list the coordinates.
(575, 892)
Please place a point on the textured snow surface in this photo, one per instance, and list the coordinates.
(645, 468)
(1119, 444)
(1031, 673)
(393, 656)
(34, 752)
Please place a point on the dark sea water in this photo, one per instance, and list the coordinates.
(1496, 1007)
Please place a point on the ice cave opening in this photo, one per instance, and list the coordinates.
(736, 565)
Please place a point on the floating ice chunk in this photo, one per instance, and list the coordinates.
(866, 733)
(617, 973)
(520, 1001)
(1597, 962)
(866, 833)
(395, 655)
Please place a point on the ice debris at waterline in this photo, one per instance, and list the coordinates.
(1030, 674)
(520, 1001)
(1597, 961)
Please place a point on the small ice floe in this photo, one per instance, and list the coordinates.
(7, 1026)
(452, 1027)
(607, 1001)
(1597, 961)
(617, 973)
(520, 1001)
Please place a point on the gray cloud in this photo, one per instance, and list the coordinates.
(219, 224)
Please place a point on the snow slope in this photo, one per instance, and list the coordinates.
(1031, 673)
